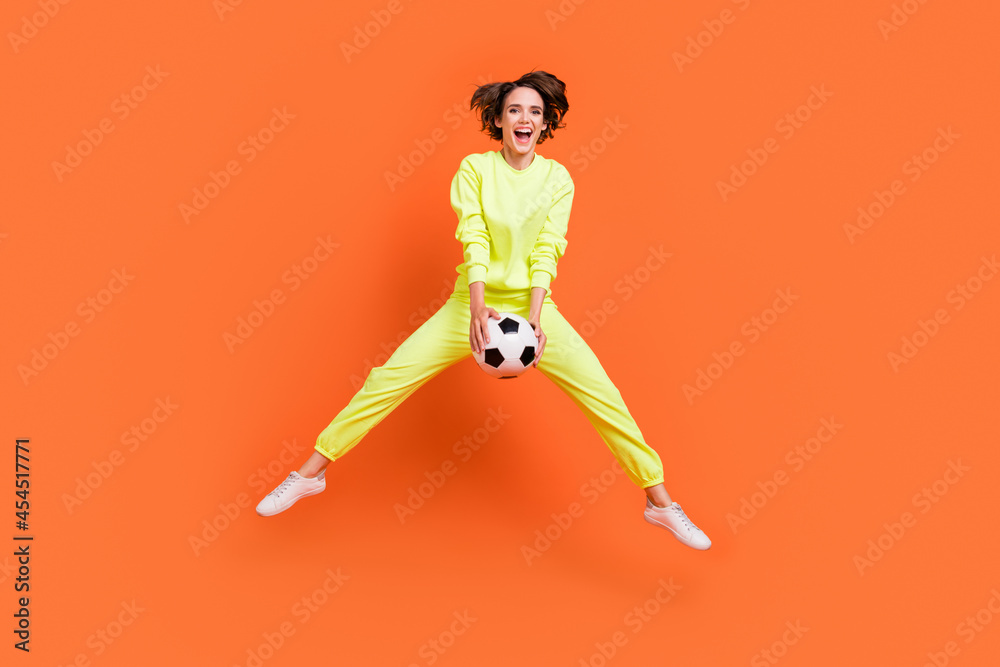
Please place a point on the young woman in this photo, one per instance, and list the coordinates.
(513, 209)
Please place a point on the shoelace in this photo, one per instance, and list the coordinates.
(683, 517)
(282, 487)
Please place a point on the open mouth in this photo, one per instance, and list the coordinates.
(522, 135)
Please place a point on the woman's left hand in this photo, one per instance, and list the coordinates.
(540, 335)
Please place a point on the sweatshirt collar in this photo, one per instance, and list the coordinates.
(534, 161)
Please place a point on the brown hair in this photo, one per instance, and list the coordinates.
(489, 98)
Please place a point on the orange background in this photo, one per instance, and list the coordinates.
(654, 183)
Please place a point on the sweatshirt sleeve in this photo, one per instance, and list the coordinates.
(466, 190)
(551, 242)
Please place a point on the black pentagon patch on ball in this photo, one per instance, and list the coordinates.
(493, 357)
(508, 325)
(528, 355)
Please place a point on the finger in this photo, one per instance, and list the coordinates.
(482, 335)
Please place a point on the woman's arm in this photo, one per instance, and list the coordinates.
(474, 234)
(479, 312)
(549, 247)
(477, 295)
(472, 230)
(537, 299)
(551, 242)
(535, 317)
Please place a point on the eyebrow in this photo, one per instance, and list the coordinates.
(533, 106)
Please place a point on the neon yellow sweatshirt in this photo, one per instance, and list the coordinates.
(512, 224)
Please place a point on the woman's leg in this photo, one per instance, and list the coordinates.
(658, 495)
(438, 343)
(314, 465)
(570, 363)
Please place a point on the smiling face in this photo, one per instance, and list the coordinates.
(522, 120)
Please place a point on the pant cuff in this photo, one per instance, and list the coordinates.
(324, 452)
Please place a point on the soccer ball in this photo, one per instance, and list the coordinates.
(511, 349)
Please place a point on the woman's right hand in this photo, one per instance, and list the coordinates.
(478, 327)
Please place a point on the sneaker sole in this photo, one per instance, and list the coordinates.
(297, 499)
(673, 532)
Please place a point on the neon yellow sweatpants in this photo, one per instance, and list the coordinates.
(443, 340)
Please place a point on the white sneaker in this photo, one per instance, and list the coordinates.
(289, 491)
(672, 518)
